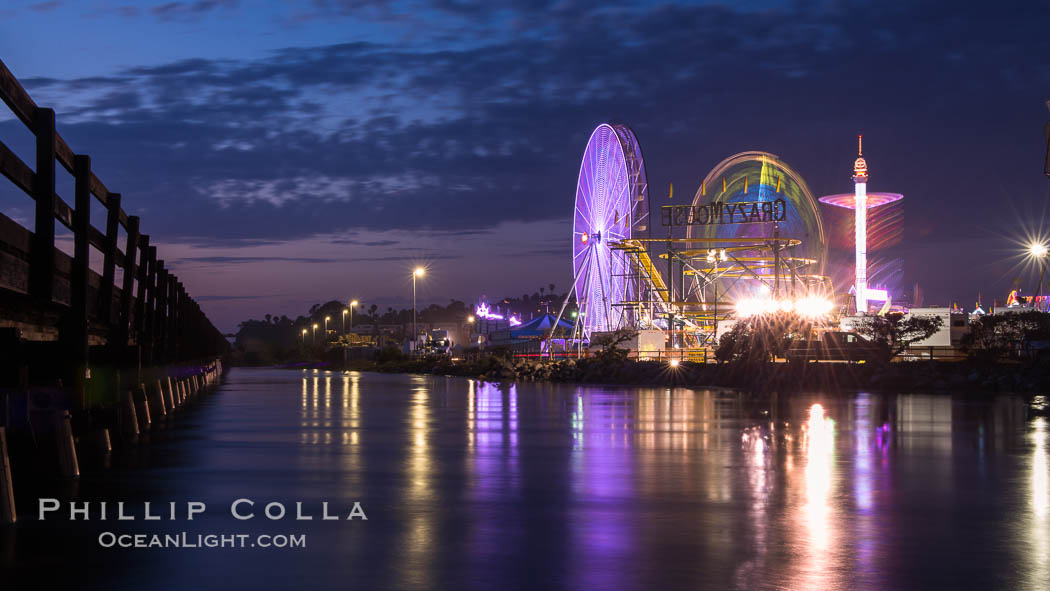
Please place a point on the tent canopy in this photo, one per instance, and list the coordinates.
(539, 327)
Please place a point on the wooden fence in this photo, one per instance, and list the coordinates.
(146, 319)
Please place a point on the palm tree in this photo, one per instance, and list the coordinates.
(550, 286)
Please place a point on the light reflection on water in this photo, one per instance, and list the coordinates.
(1038, 525)
(475, 485)
(770, 492)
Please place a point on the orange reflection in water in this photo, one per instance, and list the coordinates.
(818, 447)
(1038, 525)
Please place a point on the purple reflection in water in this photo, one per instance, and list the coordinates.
(602, 473)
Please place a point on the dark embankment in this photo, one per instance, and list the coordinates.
(922, 376)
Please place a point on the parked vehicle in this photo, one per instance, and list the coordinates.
(833, 346)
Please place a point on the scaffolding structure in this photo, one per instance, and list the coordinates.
(689, 304)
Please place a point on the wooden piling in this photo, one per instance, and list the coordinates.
(67, 450)
(157, 405)
(129, 422)
(7, 491)
(143, 411)
(171, 395)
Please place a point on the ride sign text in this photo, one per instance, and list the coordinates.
(718, 212)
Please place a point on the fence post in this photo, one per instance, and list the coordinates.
(161, 315)
(130, 258)
(150, 317)
(180, 305)
(75, 332)
(42, 262)
(173, 309)
(109, 260)
(143, 306)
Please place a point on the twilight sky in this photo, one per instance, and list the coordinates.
(286, 153)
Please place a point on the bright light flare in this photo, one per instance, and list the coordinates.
(748, 307)
(675, 363)
(814, 306)
(419, 272)
(809, 306)
(1037, 250)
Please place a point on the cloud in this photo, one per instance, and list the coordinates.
(450, 136)
(45, 6)
(223, 298)
(365, 242)
(188, 11)
(256, 259)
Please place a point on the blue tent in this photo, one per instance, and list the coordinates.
(539, 327)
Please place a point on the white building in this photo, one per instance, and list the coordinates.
(953, 326)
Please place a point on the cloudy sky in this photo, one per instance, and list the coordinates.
(285, 153)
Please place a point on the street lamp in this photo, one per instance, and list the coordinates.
(1038, 251)
(344, 322)
(304, 336)
(313, 336)
(418, 272)
(326, 319)
(353, 304)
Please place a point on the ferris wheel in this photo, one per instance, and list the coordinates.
(612, 205)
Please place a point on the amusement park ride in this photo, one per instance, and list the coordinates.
(751, 241)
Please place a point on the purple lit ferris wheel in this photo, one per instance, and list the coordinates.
(612, 205)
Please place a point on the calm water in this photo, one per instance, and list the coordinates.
(470, 485)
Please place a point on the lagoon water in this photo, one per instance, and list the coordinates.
(473, 485)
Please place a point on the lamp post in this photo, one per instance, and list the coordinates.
(418, 272)
(304, 337)
(353, 304)
(326, 319)
(313, 336)
(1038, 251)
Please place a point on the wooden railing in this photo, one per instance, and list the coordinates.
(148, 318)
